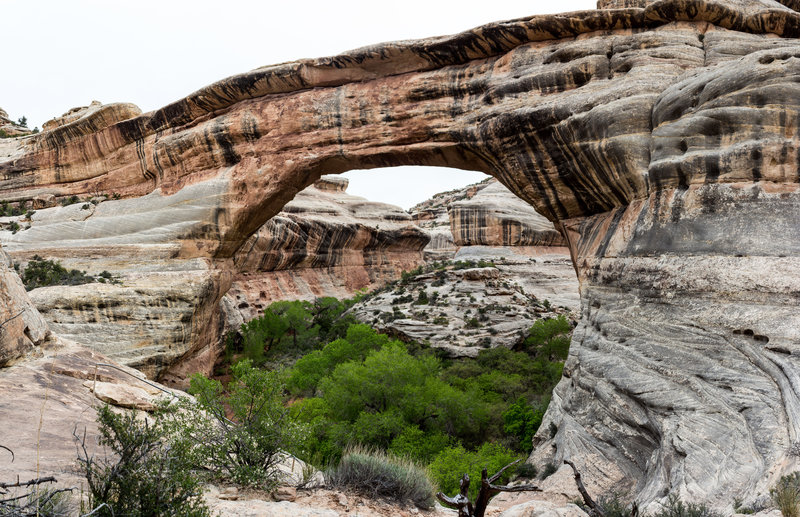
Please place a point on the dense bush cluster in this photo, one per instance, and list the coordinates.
(352, 385)
(144, 474)
(21, 208)
(287, 330)
(382, 416)
(247, 447)
(40, 272)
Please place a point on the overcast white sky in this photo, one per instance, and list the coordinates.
(61, 54)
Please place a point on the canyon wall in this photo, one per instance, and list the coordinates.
(166, 312)
(662, 140)
(483, 214)
(324, 243)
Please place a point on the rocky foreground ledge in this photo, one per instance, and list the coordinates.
(661, 138)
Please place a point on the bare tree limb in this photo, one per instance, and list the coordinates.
(11, 318)
(32, 482)
(487, 491)
(595, 508)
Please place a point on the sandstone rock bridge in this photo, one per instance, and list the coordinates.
(662, 139)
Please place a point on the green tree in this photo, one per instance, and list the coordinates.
(451, 464)
(247, 448)
(146, 474)
(549, 338)
(418, 445)
(522, 421)
(310, 369)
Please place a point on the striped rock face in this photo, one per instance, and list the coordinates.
(661, 138)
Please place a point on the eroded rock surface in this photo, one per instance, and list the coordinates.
(463, 310)
(21, 326)
(9, 128)
(47, 397)
(324, 243)
(166, 312)
(483, 214)
(662, 138)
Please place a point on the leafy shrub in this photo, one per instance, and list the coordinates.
(14, 227)
(146, 474)
(375, 399)
(548, 470)
(40, 272)
(407, 276)
(522, 421)
(376, 474)
(527, 470)
(468, 264)
(71, 200)
(310, 369)
(549, 338)
(786, 495)
(473, 323)
(613, 505)
(247, 449)
(414, 443)
(448, 467)
(288, 329)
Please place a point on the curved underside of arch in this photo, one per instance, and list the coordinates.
(662, 140)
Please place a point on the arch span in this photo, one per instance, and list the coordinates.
(662, 139)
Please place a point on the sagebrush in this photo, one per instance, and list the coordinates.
(376, 474)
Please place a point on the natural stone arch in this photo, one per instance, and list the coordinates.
(662, 139)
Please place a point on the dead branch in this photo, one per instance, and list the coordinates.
(10, 451)
(32, 482)
(462, 503)
(3, 324)
(30, 501)
(596, 511)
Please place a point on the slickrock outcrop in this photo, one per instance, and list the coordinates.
(461, 310)
(9, 128)
(46, 398)
(324, 243)
(495, 217)
(662, 139)
(97, 114)
(163, 305)
(433, 216)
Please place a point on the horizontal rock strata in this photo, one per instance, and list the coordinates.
(484, 214)
(324, 243)
(164, 311)
(661, 138)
